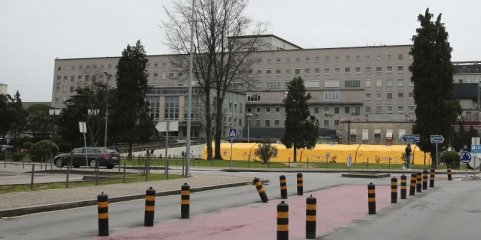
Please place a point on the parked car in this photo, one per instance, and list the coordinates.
(6, 148)
(89, 156)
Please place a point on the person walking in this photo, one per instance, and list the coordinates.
(407, 153)
(349, 162)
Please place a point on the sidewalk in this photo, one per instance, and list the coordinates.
(21, 203)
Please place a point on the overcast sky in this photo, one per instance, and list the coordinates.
(35, 32)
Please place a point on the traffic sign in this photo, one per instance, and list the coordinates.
(232, 132)
(476, 148)
(437, 138)
(412, 138)
(466, 157)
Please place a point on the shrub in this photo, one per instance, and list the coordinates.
(451, 158)
(43, 149)
(27, 145)
(265, 152)
(17, 157)
(65, 147)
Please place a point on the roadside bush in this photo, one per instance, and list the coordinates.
(27, 145)
(42, 149)
(17, 157)
(451, 158)
(265, 152)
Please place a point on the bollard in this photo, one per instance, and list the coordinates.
(418, 182)
(393, 190)
(282, 221)
(260, 189)
(149, 207)
(300, 184)
(185, 201)
(432, 176)
(425, 179)
(403, 186)
(311, 217)
(450, 178)
(103, 211)
(412, 187)
(283, 183)
(371, 198)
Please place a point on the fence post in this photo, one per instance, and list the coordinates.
(31, 179)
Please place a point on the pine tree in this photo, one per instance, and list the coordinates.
(432, 75)
(301, 128)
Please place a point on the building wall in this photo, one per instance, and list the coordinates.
(3, 88)
(365, 132)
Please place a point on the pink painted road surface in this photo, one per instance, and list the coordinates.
(336, 207)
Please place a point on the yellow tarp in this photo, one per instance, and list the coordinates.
(360, 153)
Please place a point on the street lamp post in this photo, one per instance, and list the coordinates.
(248, 115)
(106, 108)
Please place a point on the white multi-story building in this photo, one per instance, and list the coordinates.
(348, 84)
(3, 88)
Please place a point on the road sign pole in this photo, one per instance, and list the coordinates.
(231, 138)
(437, 158)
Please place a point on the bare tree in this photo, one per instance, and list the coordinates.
(220, 53)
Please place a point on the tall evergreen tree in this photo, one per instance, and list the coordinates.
(39, 123)
(130, 117)
(432, 75)
(301, 128)
(20, 116)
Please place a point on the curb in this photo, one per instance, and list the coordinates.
(13, 212)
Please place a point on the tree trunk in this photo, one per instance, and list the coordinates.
(218, 126)
(129, 156)
(295, 153)
(208, 123)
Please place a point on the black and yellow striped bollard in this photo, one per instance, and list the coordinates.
(425, 179)
(393, 190)
(450, 178)
(149, 207)
(311, 217)
(412, 187)
(300, 184)
(185, 201)
(371, 198)
(283, 183)
(282, 221)
(103, 212)
(418, 181)
(403, 187)
(431, 178)
(260, 189)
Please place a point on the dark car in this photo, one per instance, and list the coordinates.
(89, 156)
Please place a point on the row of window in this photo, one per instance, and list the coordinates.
(327, 71)
(389, 96)
(389, 134)
(277, 84)
(389, 109)
(346, 58)
(87, 77)
(101, 66)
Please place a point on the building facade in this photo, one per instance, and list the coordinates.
(346, 84)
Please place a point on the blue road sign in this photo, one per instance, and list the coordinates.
(412, 138)
(437, 139)
(476, 148)
(465, 157)
(232, 132)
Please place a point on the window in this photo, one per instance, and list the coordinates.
(72, 89)
(288, 60)
(352, 135)
(268, 60)
(389, 82)
(352, 83)
(389, 68)
(316, 109)
(253, 97)
(411, 95)
(347, 109)
(400, 82)
(400, 68)
(273, 85)
(326, 109)
(389, 108)
(347, 69)
(326, 122)
(317, 59)
(268, 109)
(278, 60)
(365, 134)
(348, 58)
(307, 71)
(332, 95)
(400, 56)
(400, 96)
(368, 70)
(267, 123)
(171, 108)
(336, 122)
(307, 59)
(276, 123)
(79, 77)
(336, 58)
(400, 108)
(336, 109)
(377, 134)
(258, 123)
(297, 71)
(368, 96)
(379, 69)
(259, 71)
(258, 109)
(411, 108)
(288, 71)
(316, 71)
(278, 109)
(368, 83)
(368, 109)
(326, 58)
(327, 71)
(156, 75)
(312, 84)
(378, 57)
(389, 96)
(358, 70)
(72, 78)
(337, 69)
(379, 83)
(268, 72)
(378, 109)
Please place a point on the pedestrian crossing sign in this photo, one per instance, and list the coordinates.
(232, 132)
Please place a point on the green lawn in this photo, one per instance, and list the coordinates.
(113, 179)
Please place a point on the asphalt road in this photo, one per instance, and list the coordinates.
(451, 206)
